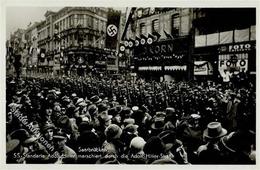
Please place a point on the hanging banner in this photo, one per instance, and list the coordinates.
(203, 68)
(113, 20)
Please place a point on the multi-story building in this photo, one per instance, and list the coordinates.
(224, 42)
(42, 65)
(31, 35)
(72, 40)
(167, 57)
(16, 50)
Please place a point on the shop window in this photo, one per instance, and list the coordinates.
(90, 21)
(85, 21)
(155, 25)
(90, 38)
(95, 24)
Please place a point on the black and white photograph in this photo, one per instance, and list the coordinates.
(130, 85)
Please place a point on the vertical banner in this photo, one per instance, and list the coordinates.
(113, 20)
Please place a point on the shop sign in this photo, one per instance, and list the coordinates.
(236, 47)
(202, 68)
(233, 62)
(239, 47)
(177, 49)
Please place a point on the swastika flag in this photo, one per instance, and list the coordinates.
(113, 20)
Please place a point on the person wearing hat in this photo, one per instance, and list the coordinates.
(37, 153)
(14, 151)
(136, 154)
(113, 144)
(102, 107)
(88, 140)
(114, 101)
(127, 121)
(93, 113)
(115, 112)
(231, 112)
(95, 99)
(148, 104)
(173, 147)
(126, 112)
(103, 120)
(48, 132)
(158, 123)
(238, 147)
(190, 133)
(47, 113)
(210, 152)
(17, 153)
(154, 149)
(66, 154)
(143, 120)
(129, 132)
(171, 119)
(161, 102)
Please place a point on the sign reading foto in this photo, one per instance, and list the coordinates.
(235, 62)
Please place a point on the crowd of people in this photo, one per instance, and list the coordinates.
(90, 120)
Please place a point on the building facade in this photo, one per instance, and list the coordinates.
(166, 55)
(16, 52)
(224, 42)
(72, 41)
(31, 35)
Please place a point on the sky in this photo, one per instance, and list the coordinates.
(20, 17)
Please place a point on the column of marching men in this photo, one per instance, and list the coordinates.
(104, 121)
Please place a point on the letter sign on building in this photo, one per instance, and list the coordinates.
(229, 61)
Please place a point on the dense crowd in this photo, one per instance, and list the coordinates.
(90, 120)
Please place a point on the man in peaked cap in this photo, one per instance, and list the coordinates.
(48, 131)
(67, 155)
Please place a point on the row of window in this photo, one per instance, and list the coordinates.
(73, 21)
(80, 20)
(232, 36)
(73, 40)
(179, 24)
